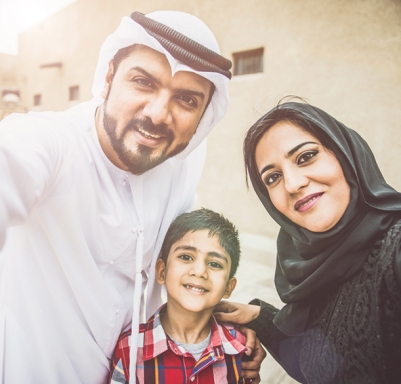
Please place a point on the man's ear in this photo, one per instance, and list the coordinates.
(160, 271)
(108, 80)
(230, 287)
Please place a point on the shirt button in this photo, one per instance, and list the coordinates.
(117, 311)
(124, 183)
(112, 262)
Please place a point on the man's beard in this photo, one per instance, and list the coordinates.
(141, 160)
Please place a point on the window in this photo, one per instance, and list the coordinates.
(37, 100)
(74, 92)
(247, 62)
(10, 96)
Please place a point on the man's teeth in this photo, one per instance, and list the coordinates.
(147, 134)
(195, 288)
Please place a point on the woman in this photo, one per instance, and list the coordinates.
(339, 254)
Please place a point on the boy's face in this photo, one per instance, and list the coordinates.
(197, 274)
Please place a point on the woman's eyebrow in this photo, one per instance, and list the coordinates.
(293, 150)
(289, 154)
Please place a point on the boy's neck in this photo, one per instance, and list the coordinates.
(184, 326)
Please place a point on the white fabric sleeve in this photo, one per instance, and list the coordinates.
(29, 159)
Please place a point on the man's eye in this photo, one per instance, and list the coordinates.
(213, 264)
(272, 178)
(306, 156)
(188, 100)
(185, 257)
(143, 81)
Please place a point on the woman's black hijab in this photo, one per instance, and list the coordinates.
(310, 264)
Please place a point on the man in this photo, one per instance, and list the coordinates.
(86, 197)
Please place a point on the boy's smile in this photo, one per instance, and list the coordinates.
(197, 274)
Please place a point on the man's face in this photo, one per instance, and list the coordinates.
(148, 114)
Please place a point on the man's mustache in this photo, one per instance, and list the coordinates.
(147, 125)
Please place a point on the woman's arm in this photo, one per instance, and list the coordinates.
(258, 316)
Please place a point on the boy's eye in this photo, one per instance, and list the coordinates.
(185, 257)
(213, 264)
(306, 157)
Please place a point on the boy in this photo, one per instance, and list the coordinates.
(182, 342)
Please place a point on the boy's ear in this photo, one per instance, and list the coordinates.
(108, 80)
(160, 271)
(230, 287)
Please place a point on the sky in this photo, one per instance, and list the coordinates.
(18, 15)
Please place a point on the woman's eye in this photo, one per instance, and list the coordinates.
(306, 156)
(213, 264)
(185, 257)
(272, 178)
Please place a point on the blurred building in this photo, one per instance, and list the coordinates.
(343, 56)
(10, 86)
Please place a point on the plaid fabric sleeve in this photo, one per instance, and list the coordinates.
(235, 332)
(119, 371)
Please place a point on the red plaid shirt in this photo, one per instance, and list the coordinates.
(161, 361)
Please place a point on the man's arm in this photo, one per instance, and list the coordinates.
(28, 158)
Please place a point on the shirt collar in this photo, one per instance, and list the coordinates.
(156, 341)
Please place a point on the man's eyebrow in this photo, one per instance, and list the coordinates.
(190, 92)
(289, 153)
(185, 91)
(191, 248)
(146, 73)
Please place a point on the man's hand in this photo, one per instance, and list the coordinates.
(237, 313)
(255, 355)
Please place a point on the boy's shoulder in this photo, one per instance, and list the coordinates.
(232, 339)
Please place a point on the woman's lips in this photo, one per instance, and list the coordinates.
(307, 202)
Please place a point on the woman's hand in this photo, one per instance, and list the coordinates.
(236, 313)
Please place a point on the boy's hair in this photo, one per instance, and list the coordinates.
(201, 219)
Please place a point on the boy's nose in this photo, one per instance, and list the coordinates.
(199, 269)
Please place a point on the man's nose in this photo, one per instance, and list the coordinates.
(158, 109)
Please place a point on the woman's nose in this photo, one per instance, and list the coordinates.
(157, 109)
(294, 181)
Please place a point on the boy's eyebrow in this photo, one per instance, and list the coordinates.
(191, 248)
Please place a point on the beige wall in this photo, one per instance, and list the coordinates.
(341, 55)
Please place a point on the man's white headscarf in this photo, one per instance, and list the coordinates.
(130, 32)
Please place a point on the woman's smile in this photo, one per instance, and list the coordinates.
(308, 202)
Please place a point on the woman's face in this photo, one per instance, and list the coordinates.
(304, 180)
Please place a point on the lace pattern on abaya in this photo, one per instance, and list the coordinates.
(355, 332)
